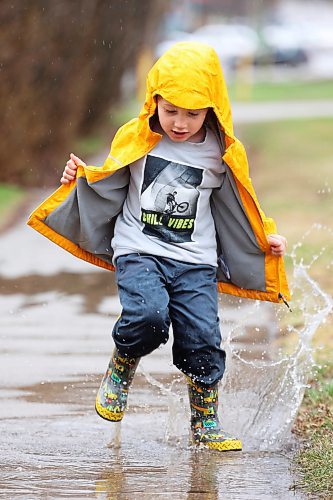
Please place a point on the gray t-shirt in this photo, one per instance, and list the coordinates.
(167, 210)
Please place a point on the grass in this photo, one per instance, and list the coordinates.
(291, 168)
(314, 425)
(268, 91)
(10, 196)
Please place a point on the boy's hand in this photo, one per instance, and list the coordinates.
(278, 244)
(69, 173)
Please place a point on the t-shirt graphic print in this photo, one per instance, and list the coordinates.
(167, 208)
(169, 199)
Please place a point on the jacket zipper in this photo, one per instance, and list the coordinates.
(281, 297)
(223, 266)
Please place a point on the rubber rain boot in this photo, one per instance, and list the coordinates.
(205, 426)
(111, 399)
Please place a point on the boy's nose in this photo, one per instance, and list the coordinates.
(180, 124)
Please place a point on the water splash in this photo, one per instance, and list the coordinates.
(261, 396)
(177, 415)
(270, 359)
(115, 441)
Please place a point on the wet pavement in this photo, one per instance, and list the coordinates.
(56, 317)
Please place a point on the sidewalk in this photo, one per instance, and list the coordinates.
(56, 318)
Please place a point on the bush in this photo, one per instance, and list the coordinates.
(61, 66)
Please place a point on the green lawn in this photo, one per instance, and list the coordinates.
(269, 91)
(314, 461)
(291, 165)
(9, 197)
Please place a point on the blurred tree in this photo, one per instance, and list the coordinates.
(61, 65)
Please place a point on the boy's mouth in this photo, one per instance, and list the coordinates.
(179, 134)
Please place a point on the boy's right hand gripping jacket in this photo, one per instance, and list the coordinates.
(205, 426)
(111, 399)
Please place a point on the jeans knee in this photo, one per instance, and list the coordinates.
(143, 334)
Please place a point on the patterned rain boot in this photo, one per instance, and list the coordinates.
(205, 426)
(111, 399)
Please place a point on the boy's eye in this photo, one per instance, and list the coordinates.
(193, 114)
(170, 111)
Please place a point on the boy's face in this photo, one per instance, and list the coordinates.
(181, 124)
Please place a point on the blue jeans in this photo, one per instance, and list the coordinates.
(155, 292)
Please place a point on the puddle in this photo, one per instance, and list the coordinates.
(75, 454)
(93, 286)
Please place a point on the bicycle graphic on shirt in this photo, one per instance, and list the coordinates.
(173, 206)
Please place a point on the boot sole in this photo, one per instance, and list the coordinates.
(232, 445)
(107, 414)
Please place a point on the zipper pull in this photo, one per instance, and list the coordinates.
(281, 297)
(223, 265)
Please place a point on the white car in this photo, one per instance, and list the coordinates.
(232, 42)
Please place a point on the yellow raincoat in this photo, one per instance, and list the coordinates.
(80, 216)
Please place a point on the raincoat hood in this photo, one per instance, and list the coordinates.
(80, 217)
(188, 75)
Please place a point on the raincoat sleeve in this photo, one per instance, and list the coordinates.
(80, 216)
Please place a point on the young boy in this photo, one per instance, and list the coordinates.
(173, 209)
